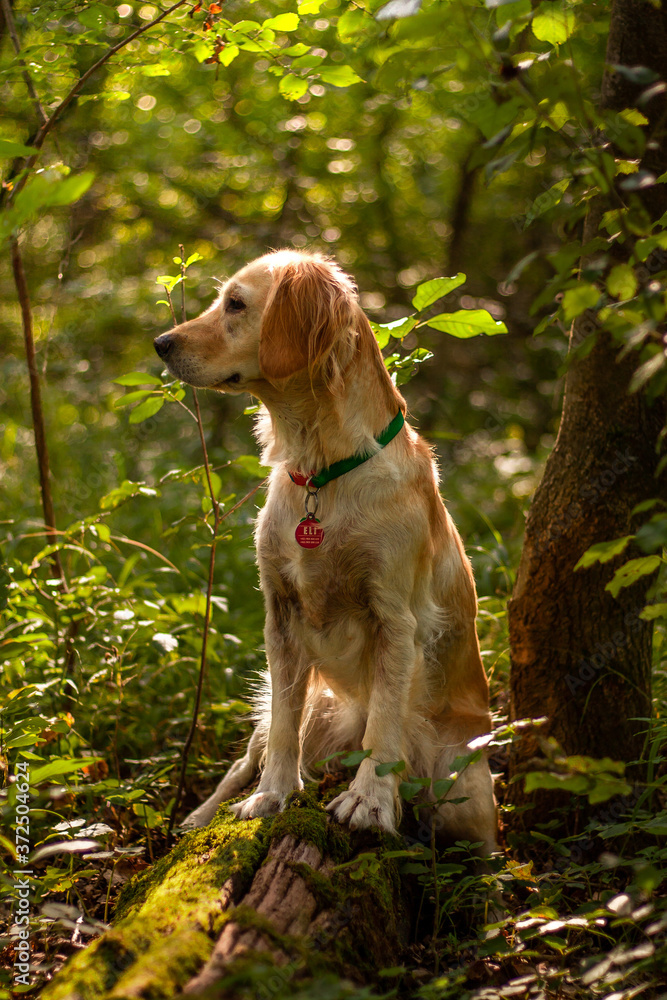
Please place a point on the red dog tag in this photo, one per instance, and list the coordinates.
(308, 533)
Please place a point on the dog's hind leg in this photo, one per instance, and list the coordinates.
(475, 819)
(239, 776)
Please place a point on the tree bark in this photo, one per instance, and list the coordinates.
(258, 908)
(580, 657)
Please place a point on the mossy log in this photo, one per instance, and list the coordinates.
(257, 908)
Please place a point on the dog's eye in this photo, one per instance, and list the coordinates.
(235, 305)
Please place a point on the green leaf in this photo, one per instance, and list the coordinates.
(156, 69)
(138, 378)
(293, 87)
(644, 248)
(46, 189)
(339, 76)
(399, 328)
(442, 786)
(125, 491)
(351, 23)
(168, 281)
(632, 571)
(356, 757)
(393, 767)
(577, 783)
(12, 149)
(252, 465)
(608, 788)
(306, 62)
(70, 190)
(652, 536)
(577, 300)
(414, 868)
(430, 291)
(408, 789)
(132, 397)
(500, 165)
(49, 188)
(283, 22)
(633, 116)
(243, 27)
(228, 55)
(653, 611)
(622, 282)
(94, 16)
(147, 409)
(602, 552)
(657, 826)
(103, 532)
(467, 323)
(59, 767)
(310, 6)
(547, 200)
(295, 50)
(553, 22)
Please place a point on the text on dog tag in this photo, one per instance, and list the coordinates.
(308, 533)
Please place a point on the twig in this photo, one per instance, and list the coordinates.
(11, 28)
(38, 140)
(436, 891)
(171, 305)
(183, 316)
(36, 406)
(200, 684)
(217, 520)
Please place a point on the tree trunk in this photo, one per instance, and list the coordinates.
(257, 908)
(579, 656)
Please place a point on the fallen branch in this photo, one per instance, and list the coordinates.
(258, 908)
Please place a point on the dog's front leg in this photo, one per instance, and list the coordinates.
(289, 684)
(372, 800)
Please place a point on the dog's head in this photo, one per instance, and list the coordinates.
(285, 314)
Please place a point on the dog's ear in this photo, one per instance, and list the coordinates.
(310, 309)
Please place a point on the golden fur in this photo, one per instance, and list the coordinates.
(370, 637)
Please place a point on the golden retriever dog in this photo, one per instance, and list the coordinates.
(370, 600)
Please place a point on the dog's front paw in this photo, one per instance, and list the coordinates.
(201, 816)
(361, 811)
(259, 804)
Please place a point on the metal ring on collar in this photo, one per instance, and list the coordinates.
(313, 494)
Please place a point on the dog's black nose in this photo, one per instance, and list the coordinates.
(163, 344)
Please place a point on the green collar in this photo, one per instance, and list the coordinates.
(324, 476)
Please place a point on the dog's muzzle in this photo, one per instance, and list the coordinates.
(163, 345)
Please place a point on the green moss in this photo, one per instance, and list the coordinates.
(225, 849)
(179, 894)
(168, 919)
(169, 964)
(91, 973)
(305, 818)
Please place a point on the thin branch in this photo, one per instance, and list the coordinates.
(36, 405)
(11, 28)
(38, 141)
(202, 669)
(183, 315)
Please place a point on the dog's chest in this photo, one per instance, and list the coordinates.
(329, 588)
